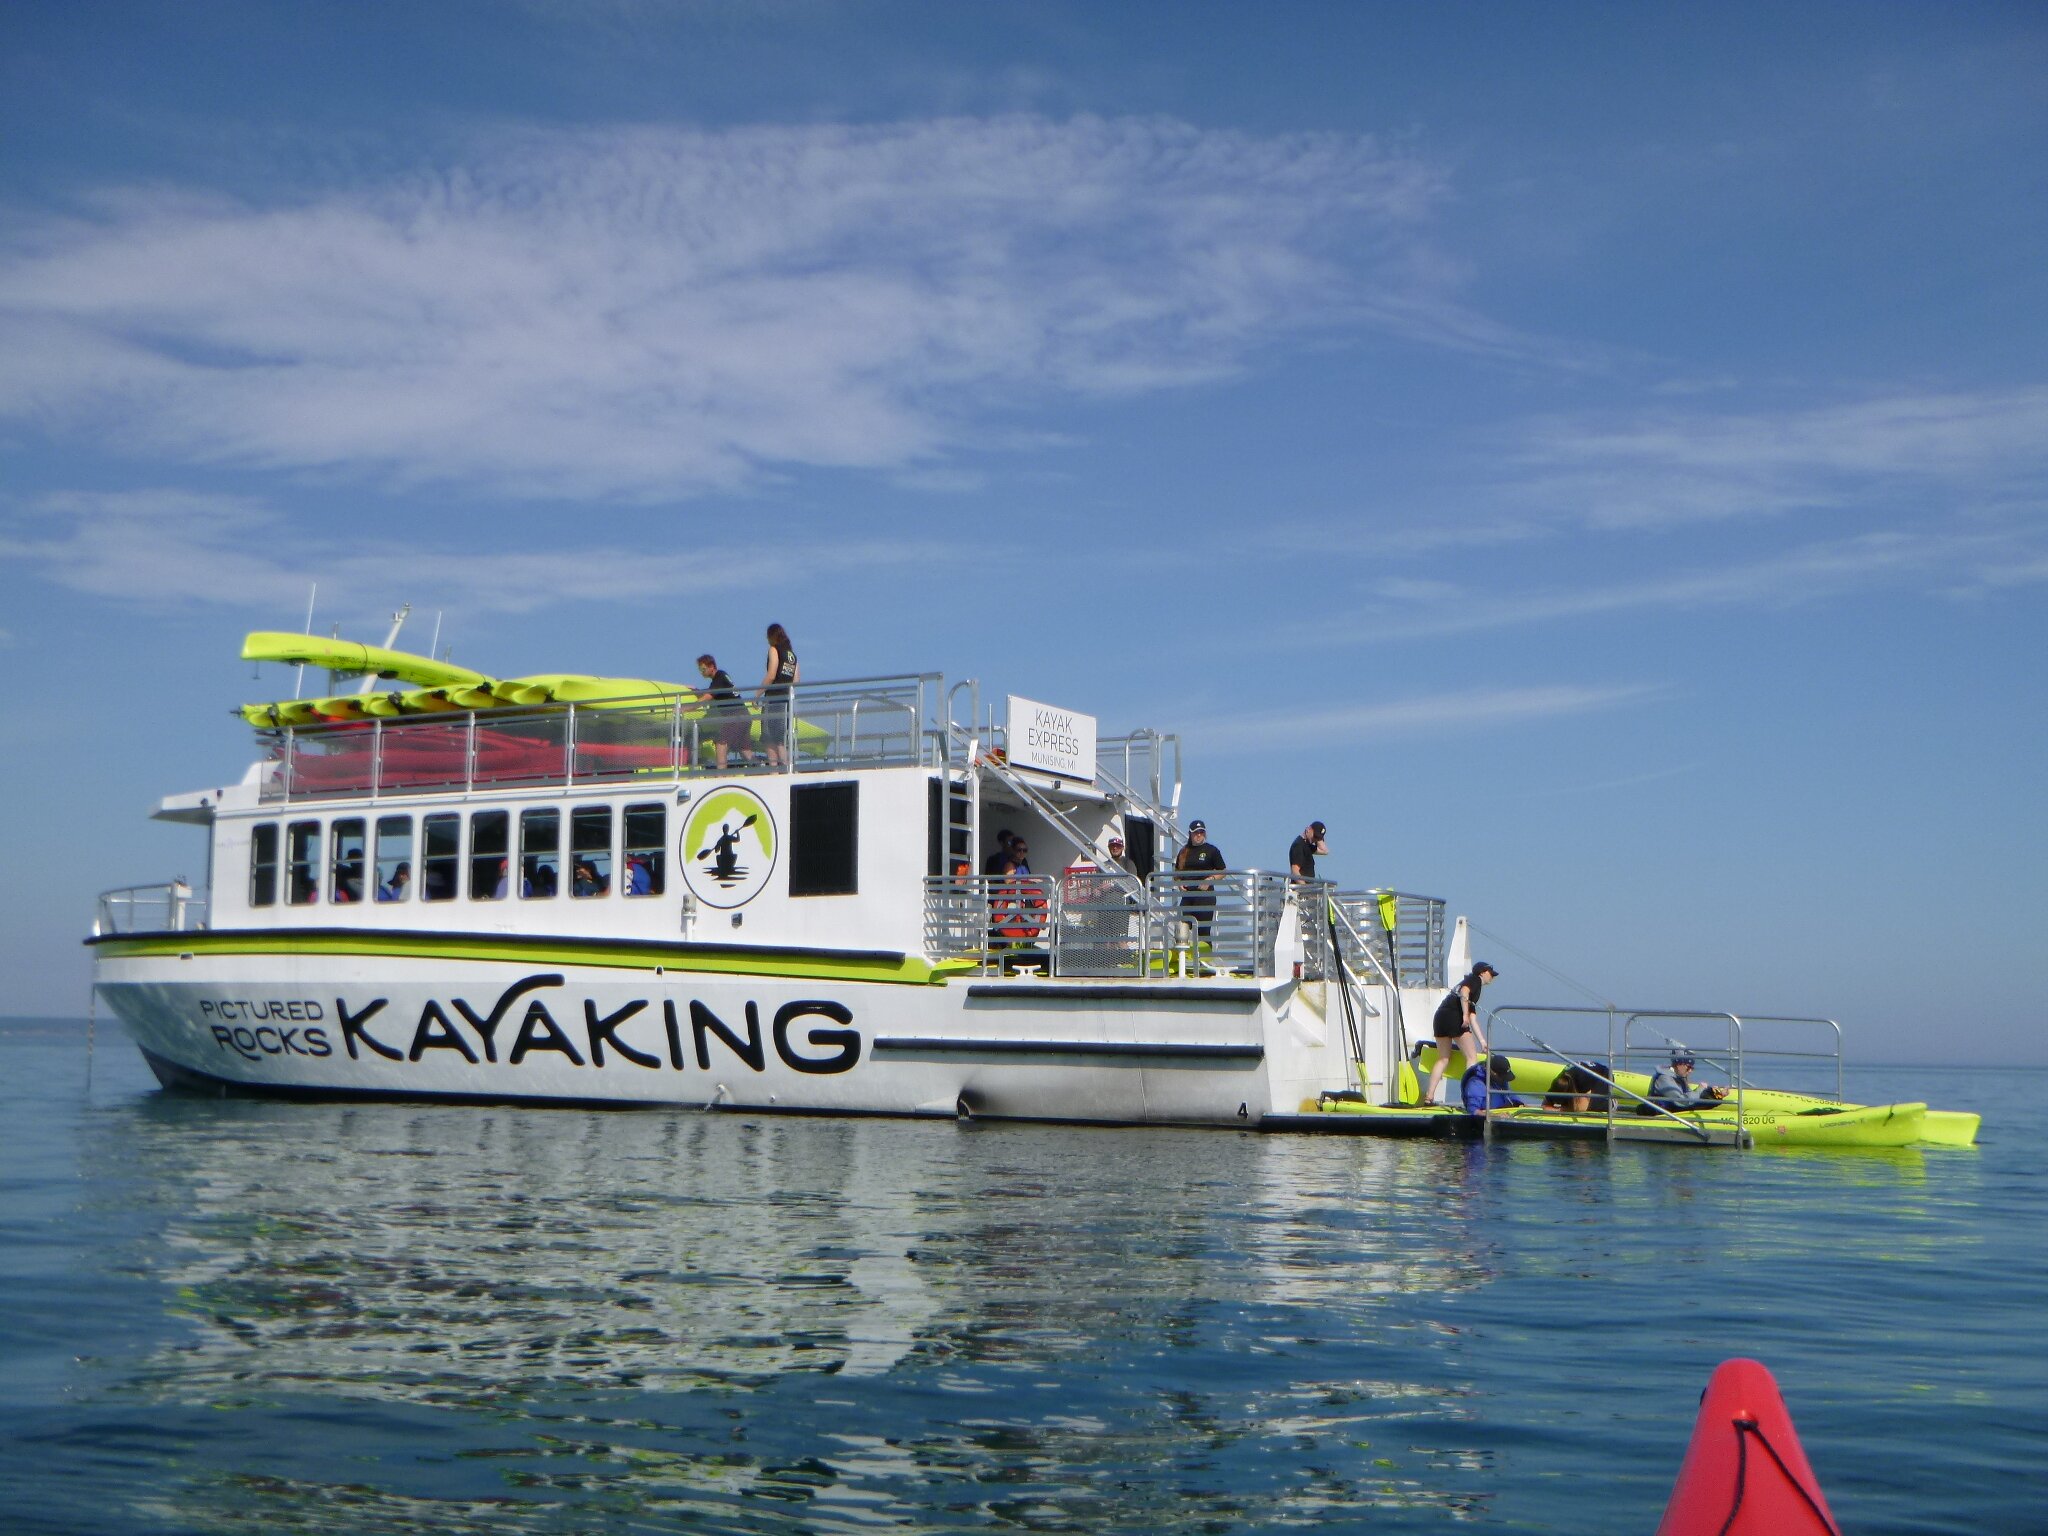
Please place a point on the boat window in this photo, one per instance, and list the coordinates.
(824, 839)
(263, 864)
(646, 849)
(394, 858)
(540, 852)
(441, 850)
(490, 870)
(590, 850)
(302, 853)
(347, 876)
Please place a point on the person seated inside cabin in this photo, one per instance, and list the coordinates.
(543, 881)
(638, 881)
(396, 887)
(348, 881)
(588, 882)
(1672, 1087)
(1580, 1089)
(504, 883)
(1485, 1086)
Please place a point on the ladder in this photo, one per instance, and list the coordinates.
(1039, 801)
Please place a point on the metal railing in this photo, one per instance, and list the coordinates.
(167, 908)
(1624, 1051)
(1100, 923)
(863, 723)
(1415, 951)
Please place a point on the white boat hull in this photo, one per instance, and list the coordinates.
(310, 1025)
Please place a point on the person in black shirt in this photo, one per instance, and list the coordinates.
(1456, 1026)
(1200, 862)
(727, 712)
(776, 688)
(1301, 856)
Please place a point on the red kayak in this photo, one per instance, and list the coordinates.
(1744, 1473)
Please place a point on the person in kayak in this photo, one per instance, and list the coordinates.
(1485, 1084)
(1457, 1026)
(1672, 1087)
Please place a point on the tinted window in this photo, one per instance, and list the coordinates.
(590, 850)
(442, 857)
(540, 852)
(646, 849)
(394, 858)
(824, 839)
(263, 864)
(490, 869)
(302, 877)
(347, 876)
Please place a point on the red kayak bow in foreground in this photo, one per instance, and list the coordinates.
(1744, 1473)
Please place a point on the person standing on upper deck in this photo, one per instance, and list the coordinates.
(1457, 1026)
(776, 689)
(725, 711)
(1301, 856)
(1199, 863)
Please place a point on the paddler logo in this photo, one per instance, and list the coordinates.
(728, 849)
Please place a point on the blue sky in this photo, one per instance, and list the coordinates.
(1594, 457)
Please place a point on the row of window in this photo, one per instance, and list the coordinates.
(541, 867)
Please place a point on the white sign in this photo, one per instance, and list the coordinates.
(1055, 741)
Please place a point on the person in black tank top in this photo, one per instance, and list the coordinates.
(776, 688)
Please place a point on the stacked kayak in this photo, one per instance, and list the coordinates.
(1745, 1473)
(1772, 1116)
(634, 738)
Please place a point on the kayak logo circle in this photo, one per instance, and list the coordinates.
(728, 849)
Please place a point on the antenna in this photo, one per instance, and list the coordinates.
(434, 646)
(299, 678)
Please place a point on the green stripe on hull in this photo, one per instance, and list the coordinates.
(903, 970)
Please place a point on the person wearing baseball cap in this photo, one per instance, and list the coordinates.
(1456, 1026)
(1301, 856)
(1672, 1087)
(1199, 863)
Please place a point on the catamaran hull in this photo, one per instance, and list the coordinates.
(377, 1027)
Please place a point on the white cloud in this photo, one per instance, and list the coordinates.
(1438, 715)
(653, 312)
(1674, 467)
(173, 548)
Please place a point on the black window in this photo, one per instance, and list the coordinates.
(824, 839)
(347, 876)
(646, 849)
(540, 849)
(394, 857)
(263, 864)
(443, 857)
(590, 850)
(490, 870)
(302, 878)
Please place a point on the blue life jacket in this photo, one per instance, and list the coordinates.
(1478, 1097)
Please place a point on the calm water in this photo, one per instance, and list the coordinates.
(239, 1317)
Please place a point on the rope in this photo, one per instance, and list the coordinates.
(1550, 971)
(1743, 1429)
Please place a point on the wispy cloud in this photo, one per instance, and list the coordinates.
(1444, 714)
(173, 549)
(1666, 467)
(1949, 564)
(654, 312)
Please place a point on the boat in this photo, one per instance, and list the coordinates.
(543, 890)
(1745, 1472)
(1773, 1117)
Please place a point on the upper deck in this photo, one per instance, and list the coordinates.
(903, 721)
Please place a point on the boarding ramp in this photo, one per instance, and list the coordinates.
(1639, 1040)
